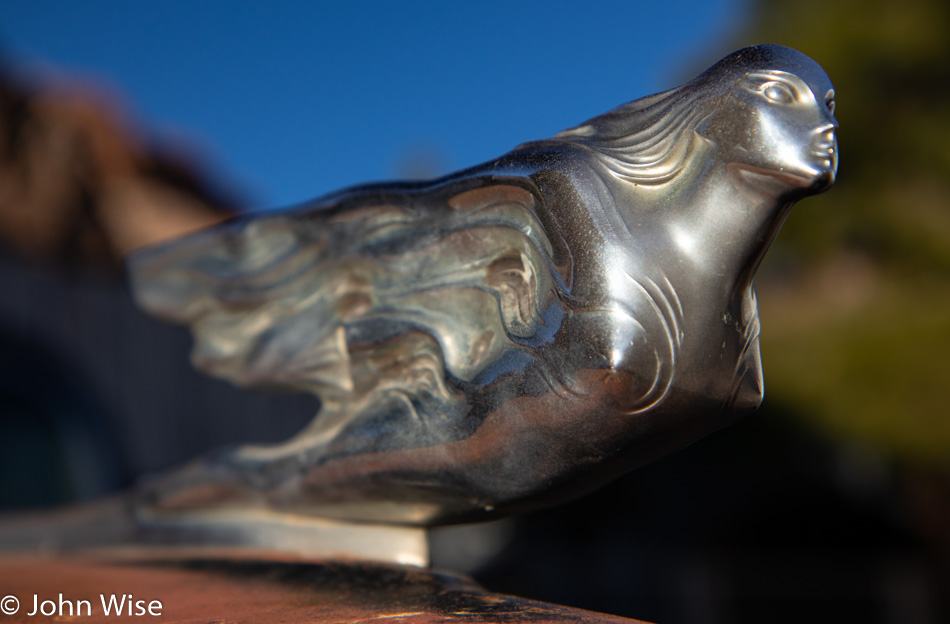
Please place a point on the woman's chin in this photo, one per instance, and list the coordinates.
(824, 179)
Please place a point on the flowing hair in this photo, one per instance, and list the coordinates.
(649, 141)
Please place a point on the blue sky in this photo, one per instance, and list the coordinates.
(289, 101)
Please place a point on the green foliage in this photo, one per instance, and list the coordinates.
(856, 295)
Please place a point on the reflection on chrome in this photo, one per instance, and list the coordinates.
(513, 335)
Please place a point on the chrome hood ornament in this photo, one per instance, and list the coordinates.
(512, 335)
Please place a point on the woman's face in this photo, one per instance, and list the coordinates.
(779, 124)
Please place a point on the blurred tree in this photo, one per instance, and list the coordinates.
(870, 360)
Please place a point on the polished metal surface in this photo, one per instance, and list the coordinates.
(515, 334)
(117, 529)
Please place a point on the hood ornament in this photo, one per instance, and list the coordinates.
(509, 336)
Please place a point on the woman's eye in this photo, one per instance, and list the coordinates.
(831, 106)
(778, 93)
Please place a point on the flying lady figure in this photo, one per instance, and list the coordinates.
(513, 335)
